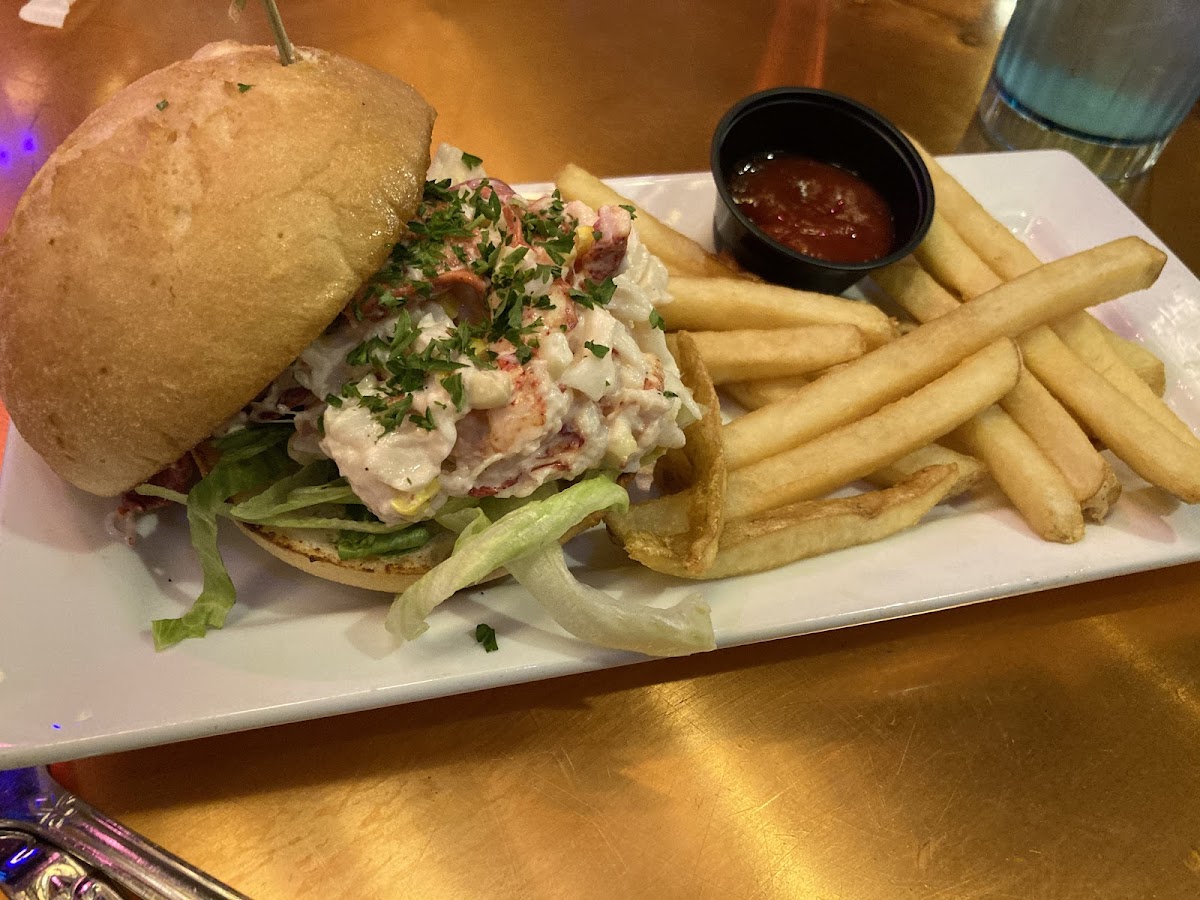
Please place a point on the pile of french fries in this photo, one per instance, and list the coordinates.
(999, 380)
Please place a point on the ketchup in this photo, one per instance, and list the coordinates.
(815, 208)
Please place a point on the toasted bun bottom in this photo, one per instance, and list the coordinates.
(317, 555)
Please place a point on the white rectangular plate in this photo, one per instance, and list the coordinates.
(79, 675)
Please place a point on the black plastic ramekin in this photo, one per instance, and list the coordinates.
(831, 129)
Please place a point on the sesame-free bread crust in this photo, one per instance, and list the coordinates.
(187, 241)
(316, 554)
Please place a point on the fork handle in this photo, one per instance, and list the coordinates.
(125, 857)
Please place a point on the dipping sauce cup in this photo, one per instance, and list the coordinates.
(782, 125)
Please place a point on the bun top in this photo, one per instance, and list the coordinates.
(188, 240)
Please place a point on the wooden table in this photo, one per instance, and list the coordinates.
(1043, 746)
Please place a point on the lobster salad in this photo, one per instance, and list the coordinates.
(501, 377)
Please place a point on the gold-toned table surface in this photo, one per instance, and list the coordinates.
(1039, 746)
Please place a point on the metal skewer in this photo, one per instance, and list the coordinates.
(287, 55)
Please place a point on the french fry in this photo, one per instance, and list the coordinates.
(1058, 434)
(1125, 427)
(775, 353)
(1086, 336)
(854, 450)
(998, 247)
(970, 473)
(1092, 403)
(915, 290)
(705, 455)
(1032, 407)
(814, 527)
(1148, 367)
(1004, 252)
(693, 549)
(948, 258)
(1099, 408)
(728, 304)
(680, 254)
(838, 392)
(753, 394)
(1032, 483)
(899, 367)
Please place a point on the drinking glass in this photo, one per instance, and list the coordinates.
(1108, 80)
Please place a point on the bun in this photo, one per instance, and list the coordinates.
(167, 263)
(316, 554)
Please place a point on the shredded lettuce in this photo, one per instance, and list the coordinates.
(334, 523)
(337, 491)
(281, 503)
(484, 546)
(280, 497)
(525, 539)
(258, 456)
(521, 534)
(248, 442)
(593, 616)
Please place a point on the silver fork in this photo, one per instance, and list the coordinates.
(54, 846)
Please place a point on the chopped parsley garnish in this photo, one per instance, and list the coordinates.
(631, 209)
(656, 321)
(558, 248)
(424, 420)
(454, 387)
(497, 266)
(593, 294)
(161, 105)
(471, 162)
(404, 333)
(242, 88)
(488, 202)
(438, 191)
(388, 411)
(486, 636)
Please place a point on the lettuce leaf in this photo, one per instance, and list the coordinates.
(360, 545)
(593, 616)
(484, 546)
(280, 503)
(522, 534)
(279, 497)
(333, 523)
(248, 442)
(257, 457)
(337, 491)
